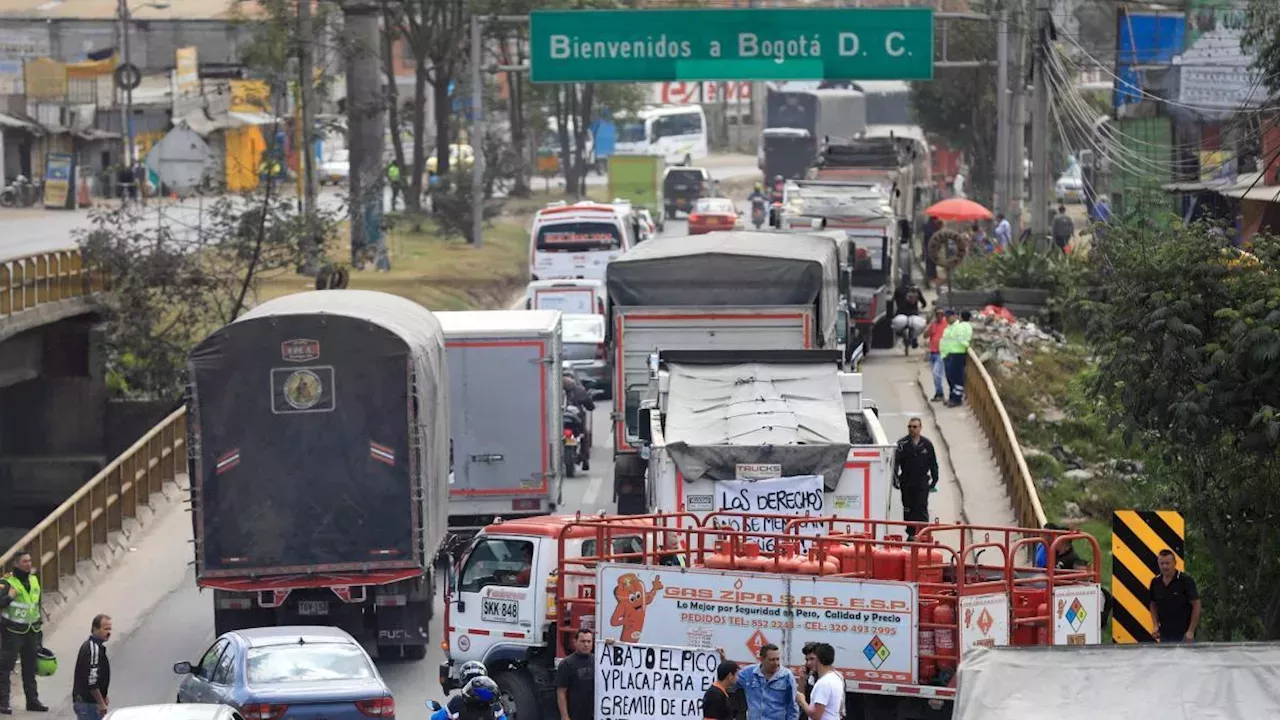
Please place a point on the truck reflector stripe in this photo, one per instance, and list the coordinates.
(382, 453)
(227, 461)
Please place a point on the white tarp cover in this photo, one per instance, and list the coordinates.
(1121, 682)
(722, 415)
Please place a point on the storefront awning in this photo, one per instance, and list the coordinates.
(240, 119)
(11, 121)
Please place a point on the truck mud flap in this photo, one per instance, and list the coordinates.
(403, 625)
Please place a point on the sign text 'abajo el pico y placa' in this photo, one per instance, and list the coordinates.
(737, 44)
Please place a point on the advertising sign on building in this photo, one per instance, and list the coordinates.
(57, 180)
(1214, 72)
(250, 96)
(45, 79)
(688, 93)
(186, 71)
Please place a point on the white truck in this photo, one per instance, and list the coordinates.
(506, 414)
(782, 431)
(900, 614)
(718, 291)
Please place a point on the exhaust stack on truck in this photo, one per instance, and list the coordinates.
(319, 465)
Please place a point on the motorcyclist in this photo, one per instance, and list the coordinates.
(775, 198)
(469, 673)
(575, 393)
(908, 301)
(757, 195)
(759, 204)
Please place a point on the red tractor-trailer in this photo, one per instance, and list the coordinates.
(319, 466)
(900, 614)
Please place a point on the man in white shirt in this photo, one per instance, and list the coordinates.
(827, 699)
(1003, 233)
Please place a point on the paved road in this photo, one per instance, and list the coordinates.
(160, 617)
(28, 231)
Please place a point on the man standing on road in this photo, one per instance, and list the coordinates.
(1175, 602)
(716, 704)
(769, 687)
(915, 473)
(20, 633)
(576, 679)
(934, 333)
(828, 691)
(955, 350)
(1063, 229)
(393, 179)
(93, 673)
(1003, 233)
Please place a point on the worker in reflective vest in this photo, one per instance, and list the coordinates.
(955, 350)
(20, 632)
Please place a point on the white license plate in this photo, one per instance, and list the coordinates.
(506, 611)
(313, 607)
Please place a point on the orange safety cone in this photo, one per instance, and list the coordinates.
(82, 193)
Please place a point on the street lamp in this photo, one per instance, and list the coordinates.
(122, 11)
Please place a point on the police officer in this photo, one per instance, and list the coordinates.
(20, 632)
(915, 474)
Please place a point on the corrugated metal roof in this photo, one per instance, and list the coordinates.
(138, 10)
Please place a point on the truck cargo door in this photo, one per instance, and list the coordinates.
(494, 602)
(500, 428)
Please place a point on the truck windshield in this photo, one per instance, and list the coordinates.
(579, 237)
(497, 561)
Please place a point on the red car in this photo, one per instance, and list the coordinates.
(711, 214)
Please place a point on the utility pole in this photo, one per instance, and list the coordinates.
(1017, 119)
(1041, 169)
(1002, 113)
(477, 133)
(365, 128)
(123, 11)
(306, 90)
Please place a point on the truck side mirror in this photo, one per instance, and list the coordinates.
(645, 431)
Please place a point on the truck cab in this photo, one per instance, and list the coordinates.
(811, 427)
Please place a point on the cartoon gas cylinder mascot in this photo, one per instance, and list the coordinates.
(632, 603)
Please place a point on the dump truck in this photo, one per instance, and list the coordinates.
(322, 498)
(638, 178)
(900, 614)
(718, 291)
(506, 414)
(783, 430)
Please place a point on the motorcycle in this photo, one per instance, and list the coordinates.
(908, 329)
(758, 214)
(20, 193)
(577, 441)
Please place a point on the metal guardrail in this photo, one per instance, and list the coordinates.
(991, 414)
(101, 506)
(27, 282)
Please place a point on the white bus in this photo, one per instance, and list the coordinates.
(677, 133)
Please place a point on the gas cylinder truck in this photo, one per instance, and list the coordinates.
(319, 462)
(900, 614)
(814, 445)
(718, 291)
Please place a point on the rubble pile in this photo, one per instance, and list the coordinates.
(997, 337)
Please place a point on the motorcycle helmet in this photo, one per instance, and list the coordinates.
(46, 662)
(471, 670)
(481, 689)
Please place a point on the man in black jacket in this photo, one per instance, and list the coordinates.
(93, 673)
(915, 474)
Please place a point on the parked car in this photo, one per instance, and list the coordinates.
(335, 169)
(173, 711)
(711, 214)
(305, 671)
(1069, 187)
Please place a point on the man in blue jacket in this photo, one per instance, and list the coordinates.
(769, 687)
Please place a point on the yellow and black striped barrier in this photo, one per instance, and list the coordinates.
(1137, 537)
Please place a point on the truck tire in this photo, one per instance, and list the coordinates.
(518, 695)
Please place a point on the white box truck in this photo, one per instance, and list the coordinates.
(506, 414)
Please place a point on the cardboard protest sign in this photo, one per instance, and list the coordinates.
(652, 682)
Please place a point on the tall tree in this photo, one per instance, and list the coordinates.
(1262, 40)
(1188, 343)
(959, 104)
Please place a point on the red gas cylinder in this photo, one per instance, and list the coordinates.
(889, 563)
(944, 638)
(925, 565)
(720, 559)
(1025, 602)
(1042, 628)
(810, 564)
(751, 559)
(928, 666)
(789, 561)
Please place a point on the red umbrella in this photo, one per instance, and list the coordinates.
(958, 210)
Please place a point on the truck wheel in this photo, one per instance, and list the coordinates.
(518, 697)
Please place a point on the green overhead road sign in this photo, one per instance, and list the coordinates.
(745, 44)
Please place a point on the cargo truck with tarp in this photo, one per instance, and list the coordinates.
(799, 122)
(1194, 681)
(719, 291)
(783, 431)
(319, 466)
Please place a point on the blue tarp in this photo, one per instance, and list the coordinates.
(1144, 39)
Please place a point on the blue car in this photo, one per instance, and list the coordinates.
(310, 673)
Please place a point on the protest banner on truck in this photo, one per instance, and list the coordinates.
(796, 496)
(652, 682)
(871, 624)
